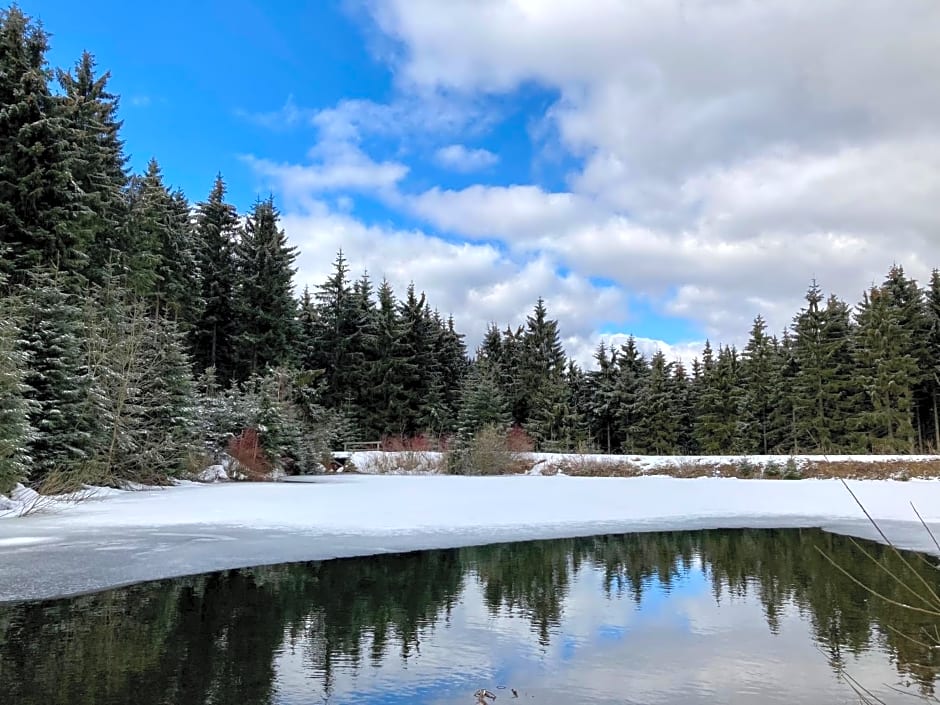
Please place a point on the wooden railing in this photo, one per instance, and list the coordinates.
(362, 445)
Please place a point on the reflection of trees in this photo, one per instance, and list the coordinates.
(215, 638)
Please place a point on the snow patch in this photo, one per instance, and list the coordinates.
(213, 473)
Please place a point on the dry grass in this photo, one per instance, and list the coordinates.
(587, 466)
(405, 462)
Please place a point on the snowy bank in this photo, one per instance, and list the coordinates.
(597, 464)
(133, 536)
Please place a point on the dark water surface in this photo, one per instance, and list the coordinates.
(686, 617)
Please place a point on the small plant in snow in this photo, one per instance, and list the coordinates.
(792, 471)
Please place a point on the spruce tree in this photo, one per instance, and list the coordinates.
(163, 266)
(333, 342)
(718, 401)
(812, 401)
(99, 169)
(545, 401)
(265, 305)
(57, 378)
(888, 374)
(684, 404)
(15, 430)
(910, 306)
(213, 335)
(633, 369)
(757, 379)
(603, 412)
(481, 402)
(655, 429)
(39, 199)
(932, 372)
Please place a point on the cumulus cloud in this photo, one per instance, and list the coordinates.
(726, 154)
(475, 282)
(731, 151)
(460, 158)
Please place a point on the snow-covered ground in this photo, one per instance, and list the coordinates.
(124, 537)
(423, 462)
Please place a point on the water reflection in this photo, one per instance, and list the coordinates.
(687, 617)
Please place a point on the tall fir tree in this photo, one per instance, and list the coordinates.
(812, 395)
(932, 371)
(39, 199)
(655, 430)
(718, 403)
(15, 429)
(481, 401)
(213, 334)
(757, 365)
(265, 305)
(602, 412)
(633, 369)
(99, 169)
(910, 306)
(888, 374)
(57, 378)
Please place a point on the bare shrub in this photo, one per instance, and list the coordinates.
(251, 461)
(487, 453)
(518, 440)
(587, 466)
(406, 462)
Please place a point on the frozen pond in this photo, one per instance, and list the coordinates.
(734, 616)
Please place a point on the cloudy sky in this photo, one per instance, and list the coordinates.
(662, 168)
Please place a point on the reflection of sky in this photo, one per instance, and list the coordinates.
(678, 646)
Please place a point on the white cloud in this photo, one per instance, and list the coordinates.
(459, 158)
(475, 282)
(732, 150)
(342, 169)
(729, 152)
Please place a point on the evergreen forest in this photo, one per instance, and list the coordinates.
(143, 334)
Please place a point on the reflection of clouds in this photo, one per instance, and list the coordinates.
(679, 646)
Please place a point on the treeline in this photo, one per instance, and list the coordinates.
(142, 334)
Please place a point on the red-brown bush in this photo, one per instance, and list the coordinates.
(519, 441)
(246, 449)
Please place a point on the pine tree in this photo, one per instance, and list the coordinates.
(718, 402)
(632, 372)
(56, 377)
(163, 266)
(417, 364)
(757, 380)
(482, 403)
(213, 335)
(99, 170)
(39, 200)
(15, 430)
(839, 374)
(387, 373)
(684, 403)
(545, 402)
(812, 400)
(333, 340)
(265, 305)
(602, 413)
(932, 371)
(909, 303)
(655, 429)
(784, 436)
(887, 375)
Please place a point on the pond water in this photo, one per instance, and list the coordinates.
(686, 617)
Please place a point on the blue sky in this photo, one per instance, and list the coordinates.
(647, 168)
